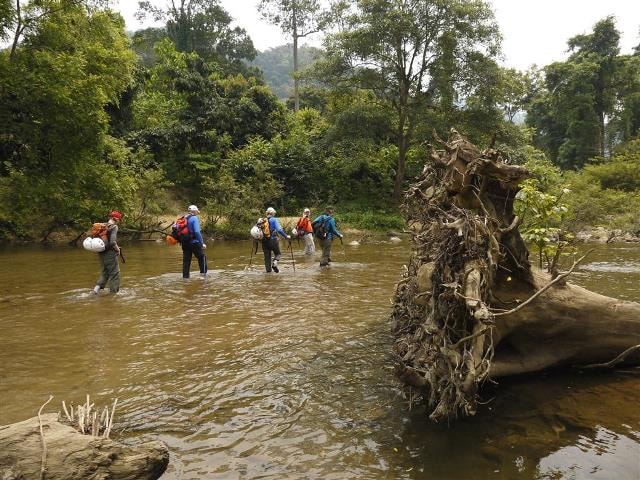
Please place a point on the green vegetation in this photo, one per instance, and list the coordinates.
(276, 65)
(93, 120)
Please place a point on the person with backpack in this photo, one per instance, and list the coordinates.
(324, 228)
(188, 232)
(305, 230)
(110, 270)
(270, 245)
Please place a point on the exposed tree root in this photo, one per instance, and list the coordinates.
(469, 306)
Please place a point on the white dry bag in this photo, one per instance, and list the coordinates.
(93, 244)
(256, 232)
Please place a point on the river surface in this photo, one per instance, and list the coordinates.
(249, 375)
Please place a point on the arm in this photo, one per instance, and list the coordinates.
(279, 229)
(197, 235)
(112, 239)
(331, 227)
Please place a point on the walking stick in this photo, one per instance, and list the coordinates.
(292, 260)
(344, 252)
(122, 256)
(254, 244)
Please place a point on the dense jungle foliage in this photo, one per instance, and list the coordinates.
(93, 119)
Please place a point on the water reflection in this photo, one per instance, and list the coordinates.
(248, 375)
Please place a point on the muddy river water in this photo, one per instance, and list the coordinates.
(249, 375)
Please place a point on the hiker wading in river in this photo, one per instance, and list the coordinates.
(110, 270)
(193, 244)
(324, 228)
(304, 230)
(270, 243)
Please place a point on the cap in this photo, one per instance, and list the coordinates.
(306, 210)
(193, 208)
(270, 211)
(115, 214)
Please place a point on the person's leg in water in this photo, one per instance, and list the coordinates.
(104, 275)
(326, 252)
(266, 250)
(186, 259)
(275, 247)
(113, 269)
(309, 245)
(198, 251)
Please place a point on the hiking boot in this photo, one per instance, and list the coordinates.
(324, 264)
(276, 269)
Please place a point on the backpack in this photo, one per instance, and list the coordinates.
(263, 225)
(300, 230)
(320, 228)
(180, 229)
(100, 230)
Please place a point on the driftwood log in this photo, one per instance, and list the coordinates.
(68, 454)
(470, 307)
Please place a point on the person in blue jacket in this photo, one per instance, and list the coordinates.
(194, 245)
(271, 244)
(325, 226)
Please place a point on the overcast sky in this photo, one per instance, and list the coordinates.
(534, 31)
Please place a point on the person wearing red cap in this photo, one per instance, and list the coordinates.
(110, 272)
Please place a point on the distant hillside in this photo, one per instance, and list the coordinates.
(277, 65)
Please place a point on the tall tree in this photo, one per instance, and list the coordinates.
(412, 54)
(587, 104)
(204, 27)
(58, 166)
(299, 19)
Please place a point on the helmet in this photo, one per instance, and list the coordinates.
(115, 214)
(193, 209)
(256, 232)
(93, 244)
(271, 211)
(306, 210)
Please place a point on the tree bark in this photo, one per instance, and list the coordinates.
(296, 94)
(471, 307)
(72, 455)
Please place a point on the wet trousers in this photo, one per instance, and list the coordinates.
(309, 245)
(270, 246)
(326, 252)
(110, 271)
(192, 249)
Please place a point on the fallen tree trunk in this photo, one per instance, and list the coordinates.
(471, 307)
(72, 455)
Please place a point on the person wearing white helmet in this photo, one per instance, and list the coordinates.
(194, 244)
(305, 230)
(270, 244)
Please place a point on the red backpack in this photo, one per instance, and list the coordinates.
(180, 229)
(100, 230)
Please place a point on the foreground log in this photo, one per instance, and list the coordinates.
(72, 455)
(470, 306)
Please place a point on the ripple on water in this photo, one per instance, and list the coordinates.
(627, 267)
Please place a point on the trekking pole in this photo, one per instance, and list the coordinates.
(251, 257)
(122, 257)
(344, 252)
(292, 260)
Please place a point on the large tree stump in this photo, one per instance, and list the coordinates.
(464, 310)
(72, 455)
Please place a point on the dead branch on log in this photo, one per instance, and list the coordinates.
(544, 289)
(43, 464)
(615, 361)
